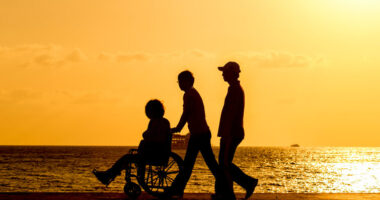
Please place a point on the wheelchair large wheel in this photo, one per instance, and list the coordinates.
(156, 180)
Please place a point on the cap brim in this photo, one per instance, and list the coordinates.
(220, 68)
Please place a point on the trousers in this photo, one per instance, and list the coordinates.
(231, 172)
(197, 143)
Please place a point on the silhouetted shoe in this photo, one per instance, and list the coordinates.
(251, 188)
(103, 176)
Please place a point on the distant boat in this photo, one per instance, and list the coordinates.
(180, 141)
(295, 145)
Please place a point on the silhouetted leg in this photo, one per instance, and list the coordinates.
(226, 154)
(180, 182)
(209, 157)
(122, 163)
(240, 177)
(237, 174)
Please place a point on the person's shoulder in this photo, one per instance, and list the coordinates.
(191, 93)
(194, 93)
(160, 122)
(236, 87)
(165, 121)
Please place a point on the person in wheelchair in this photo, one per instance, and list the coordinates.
(155, 146)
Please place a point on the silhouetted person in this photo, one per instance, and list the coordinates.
(155, 143)
(194, 115)
(231, 132)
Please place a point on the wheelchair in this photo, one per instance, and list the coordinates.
(154, 175)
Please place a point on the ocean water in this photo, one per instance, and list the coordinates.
(279, 169)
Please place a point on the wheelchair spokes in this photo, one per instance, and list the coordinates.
(156, 179)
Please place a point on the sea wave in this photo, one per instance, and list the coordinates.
(279, 169)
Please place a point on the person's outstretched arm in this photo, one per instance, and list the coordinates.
(184, 116)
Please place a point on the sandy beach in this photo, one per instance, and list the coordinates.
(190, 196)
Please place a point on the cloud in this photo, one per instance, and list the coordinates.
(52, 55)
(145, 56)
(198, 53)
(54, 59)
(41, 55)
(188, 54)
(48, 60)
(126, 57)
(279, 59)
(76, 56)
(19, 96)
(24, 94)
(93, 97)
(28, 48)
(56, 97)
(36, 47)
(104, 56)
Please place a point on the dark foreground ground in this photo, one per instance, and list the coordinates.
(188, 196)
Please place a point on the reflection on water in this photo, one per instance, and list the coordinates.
(279, 169)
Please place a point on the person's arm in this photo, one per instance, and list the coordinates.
(146, 132)
(184, 116)
(228, 114)
(167, 131)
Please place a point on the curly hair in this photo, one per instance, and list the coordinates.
(154, 109)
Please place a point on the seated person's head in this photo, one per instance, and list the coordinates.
(185, 80)
(154, 109)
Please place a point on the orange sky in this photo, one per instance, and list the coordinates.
(80, 72)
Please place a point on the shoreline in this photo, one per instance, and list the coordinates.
(187, 196)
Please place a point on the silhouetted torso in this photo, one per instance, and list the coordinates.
(231, 120)
(157, 139)
(200, 136)
(193, 106)
(158, 131)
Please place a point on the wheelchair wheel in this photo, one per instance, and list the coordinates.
(133, 190)
(156, 180)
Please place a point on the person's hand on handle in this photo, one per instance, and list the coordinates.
(175, 130)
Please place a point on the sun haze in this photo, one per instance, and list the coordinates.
(81, 72)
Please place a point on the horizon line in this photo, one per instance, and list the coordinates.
(52, 145)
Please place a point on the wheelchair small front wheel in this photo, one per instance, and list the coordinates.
(133, 190)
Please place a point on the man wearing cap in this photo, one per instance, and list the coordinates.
(231, 133)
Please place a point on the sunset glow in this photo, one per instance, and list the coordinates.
(80, 72)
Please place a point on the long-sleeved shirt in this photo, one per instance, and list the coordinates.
(231, 120)
(194, 112)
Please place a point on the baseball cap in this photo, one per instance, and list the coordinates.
(230, 66)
